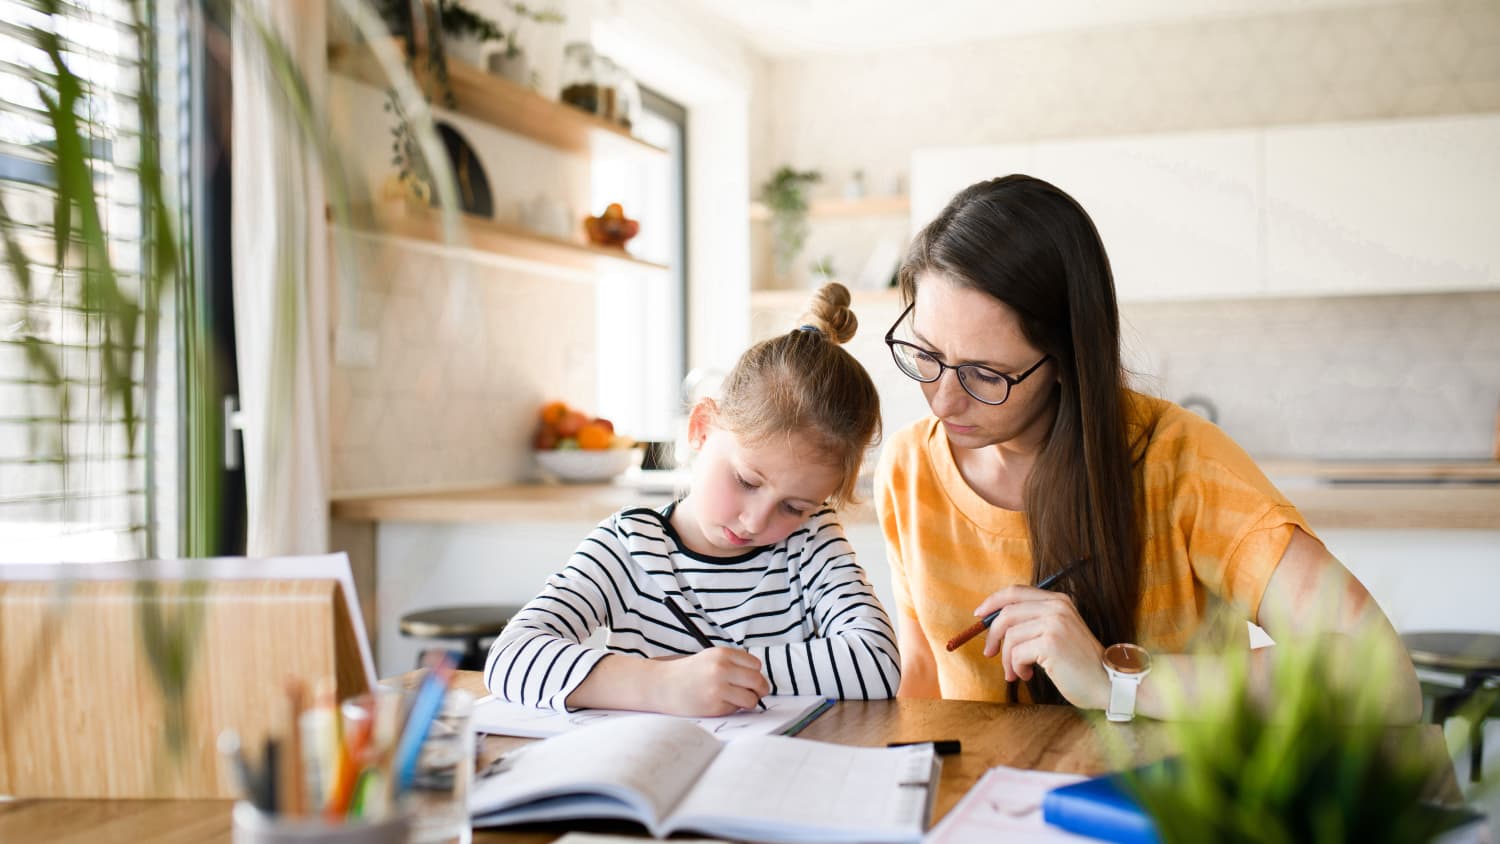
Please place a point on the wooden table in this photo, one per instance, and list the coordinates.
(1052, 738)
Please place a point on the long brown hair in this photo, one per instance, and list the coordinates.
(1031, 246)
(804, 381)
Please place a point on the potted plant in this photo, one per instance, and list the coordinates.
(1313, 761)
(511, 60)
(785, 194)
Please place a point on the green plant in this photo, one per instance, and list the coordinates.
(823, 268)
(119, 312)
(524, 12)
(460, 21)
(406, 152)
(1314, 763)
(785, 195)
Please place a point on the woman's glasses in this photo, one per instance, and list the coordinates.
(984, 384)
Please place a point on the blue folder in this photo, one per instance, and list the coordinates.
(1099, 808)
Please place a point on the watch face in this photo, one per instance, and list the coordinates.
(1127, 658)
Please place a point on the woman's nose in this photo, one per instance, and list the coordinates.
(946, 396)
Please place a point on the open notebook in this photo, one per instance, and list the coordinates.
(671, 775)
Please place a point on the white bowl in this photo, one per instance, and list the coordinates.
(576, 465)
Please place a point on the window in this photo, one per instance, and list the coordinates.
(77, 477)
(642, 333)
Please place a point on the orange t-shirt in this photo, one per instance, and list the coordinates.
(1215, 529)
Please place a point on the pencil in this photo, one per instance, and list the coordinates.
(692, 629)
(984, 623)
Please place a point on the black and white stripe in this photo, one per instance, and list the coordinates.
(803, 607)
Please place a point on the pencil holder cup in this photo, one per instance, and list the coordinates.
(252, 826)
(437, 800)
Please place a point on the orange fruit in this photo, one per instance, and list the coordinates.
(595, 437)
(570, 423)
(552, 412)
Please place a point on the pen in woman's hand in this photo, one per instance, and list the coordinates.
(983, 624)
(692, 629)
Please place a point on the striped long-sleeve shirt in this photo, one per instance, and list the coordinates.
(803, 607)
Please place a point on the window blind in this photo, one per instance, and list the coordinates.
(77, 470)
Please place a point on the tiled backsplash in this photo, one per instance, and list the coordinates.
(1414, 376)
(466, 353)
(1382, 377)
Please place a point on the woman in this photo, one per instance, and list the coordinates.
(1037, 455)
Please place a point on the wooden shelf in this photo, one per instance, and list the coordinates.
(783, 300)
(488, 238)
(502, 103)
(870, 206)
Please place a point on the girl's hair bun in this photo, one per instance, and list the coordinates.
(829, 313)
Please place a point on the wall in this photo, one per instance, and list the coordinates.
(464, 347)
(1391, 376)
(842, 112)
(1350, 377)
(465, 350)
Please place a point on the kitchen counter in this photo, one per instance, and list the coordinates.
(1330, 494)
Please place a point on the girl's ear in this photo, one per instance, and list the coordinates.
(703, 417)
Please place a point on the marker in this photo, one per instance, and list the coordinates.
(942, 747)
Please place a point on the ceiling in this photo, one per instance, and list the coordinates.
(788, 28)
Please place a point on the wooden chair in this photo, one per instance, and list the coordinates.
(83, 713)
(471, 625)
(1466, 664)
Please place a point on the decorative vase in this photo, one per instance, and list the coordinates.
(513, 66)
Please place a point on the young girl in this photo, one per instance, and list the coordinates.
(754, 555)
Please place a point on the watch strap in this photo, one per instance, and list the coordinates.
(1122, 691)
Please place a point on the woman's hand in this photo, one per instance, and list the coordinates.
(1042, 628)
(717, 681)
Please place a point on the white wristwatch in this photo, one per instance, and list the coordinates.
(1127, 665)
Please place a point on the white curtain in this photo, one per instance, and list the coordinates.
(279, 242)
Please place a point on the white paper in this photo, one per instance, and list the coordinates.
(1005, 805)
(492, 715)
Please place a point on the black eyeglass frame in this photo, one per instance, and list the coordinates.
(958, 370)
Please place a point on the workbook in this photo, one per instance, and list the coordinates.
(671, 775)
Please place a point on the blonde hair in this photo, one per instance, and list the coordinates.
(803, 382)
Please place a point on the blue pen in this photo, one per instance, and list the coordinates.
(424, 709)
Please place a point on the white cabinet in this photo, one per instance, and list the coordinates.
(1177, 213)
(1394, 206)
(1397, 206)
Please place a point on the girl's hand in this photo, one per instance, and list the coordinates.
(1042, 628)
(717, 681)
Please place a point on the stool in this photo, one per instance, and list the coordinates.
(470, 625)
(1474, 660)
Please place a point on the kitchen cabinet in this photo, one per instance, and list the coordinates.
(1178, 213)
(1391, 206)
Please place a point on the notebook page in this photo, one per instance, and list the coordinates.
(647, 761)
(1005, 805)
(775, 788)
(492, 715)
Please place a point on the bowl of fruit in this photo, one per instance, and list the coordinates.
(575, 447)
(612, 228)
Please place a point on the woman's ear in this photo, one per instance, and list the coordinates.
(703, 416)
